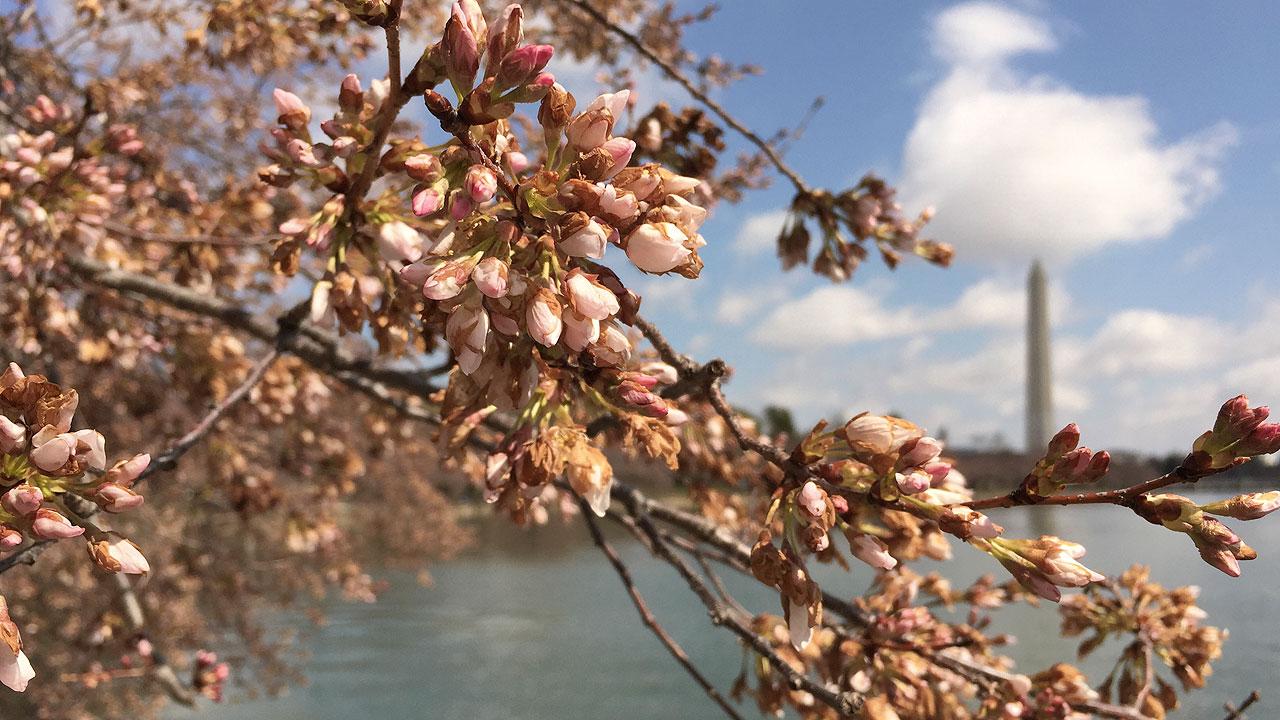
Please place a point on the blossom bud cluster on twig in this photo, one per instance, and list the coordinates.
(43, 462)
(847, 222)
(56, 187)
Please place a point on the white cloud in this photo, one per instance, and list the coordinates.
(1023, 166)
(759, 233)
(832, 316)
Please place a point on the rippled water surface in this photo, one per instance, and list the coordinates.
(536, 625)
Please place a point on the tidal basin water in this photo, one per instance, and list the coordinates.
(535, 625)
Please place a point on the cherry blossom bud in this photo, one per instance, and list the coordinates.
(15, 669)
(522, 65)
(517, 161)
(1249, 506)
(914, 482)
(50, 525)
(589, 297)
(426, 201)
(661, 372)
(589, 130)
(113, 498)
(12, 435)
(490, 276)
(1262, 440)
(592, 478)
(481, 183)
(676, 416)
(461, 206)
(460, 51)
(399, 241)
(1236, 419)
(582, 236)
(673, 184)
(619, 150)
(613, 349)
(423, 167)
(870, 434)
(812, 499)
(555, 112)
(319, 309)
(506, 36)
(579, 330)
(9, 537)
(292, 112)
(543, 318)
(870, 550)
(22, 499)
(657, 248)
(448, 279)
(920, 452)
(351, 95)
(91, 448)
(54, 452)
(1064, 441)
(116, 554)
(467, 332)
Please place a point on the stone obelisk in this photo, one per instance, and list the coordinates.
(1039, 370)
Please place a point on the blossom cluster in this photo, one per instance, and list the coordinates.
(44, 464)
(53, 187)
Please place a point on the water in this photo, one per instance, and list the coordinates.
(537, 625)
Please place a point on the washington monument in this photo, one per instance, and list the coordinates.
(1039, 370)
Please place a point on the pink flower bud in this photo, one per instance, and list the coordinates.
(1236, 419)
(589, 297)
(15, 670)
(871, 434)
(613, 349)
(12, 435)
(589, 130)
(615, 103)
(1064, 441)
(292, 112)
(579, 330)
(22, 500)
(426, 201)
(812, 499)
(517, 161)
(1249, 506)
(1262, 440)
(871, 550)
(676, 416)
(126, 471)
(9, 537)
(589, 242)
(543, 318)
(914, 482)
(54, 453)
(461, 206)
(620, 149)
(131, 559)
(423, 167)
(481, 184)
(50, 525)
(490, 276)
(448, 280)
(662, 373)
(920, 452)
(399, 241)
(657, 248)
(467, 332)
(460, 50)
(522, 65)
(350, 94)
(114, 498)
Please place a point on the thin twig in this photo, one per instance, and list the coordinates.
(647, 617)
(683, 80)
(1237, 713)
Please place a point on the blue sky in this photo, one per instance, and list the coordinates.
(1134, 146)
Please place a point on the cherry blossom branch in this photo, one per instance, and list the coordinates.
(167, 459)
(647, 617)
(1236, 713)
(683, 80)
(129, 233)
(845, 704)
(1123, 496)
